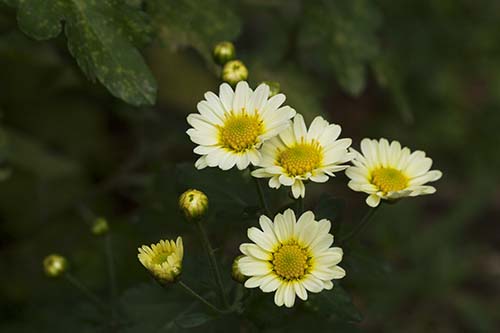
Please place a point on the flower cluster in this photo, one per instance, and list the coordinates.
(251, 128)
(245, 127)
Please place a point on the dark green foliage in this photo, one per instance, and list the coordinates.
(102, 37)
(423, 72)
(340, 37)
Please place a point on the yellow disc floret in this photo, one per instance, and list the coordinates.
(290, 262)
(301, 158)
(389, 179)
(240, 132)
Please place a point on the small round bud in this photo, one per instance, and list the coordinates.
(236, 273)
(55, 265)
(274, 87)
(193, 204)
(223, 52)
(234, 71)
(100, 226)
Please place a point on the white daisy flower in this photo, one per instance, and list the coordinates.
(298, 154)
(231, 127)
(387, 171)
(291, 257)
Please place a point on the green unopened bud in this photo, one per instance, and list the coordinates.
(100, 226)
(55, 265)
(234, 71)
(223, 52)
(274, 87)
(193, 204)
(236, 273)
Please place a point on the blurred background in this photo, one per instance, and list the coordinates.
(426, 73)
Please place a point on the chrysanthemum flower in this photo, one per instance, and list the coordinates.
(231, 127)
(387, 171)
(291, 257)
(163, 260)
(298, 154)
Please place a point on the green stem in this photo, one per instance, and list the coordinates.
(358, 228)
(111, 273)
(111, 266)
(260, 192)
(213, 262)
(89, 294)
(200, 298)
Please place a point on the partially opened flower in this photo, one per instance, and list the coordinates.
(387, 171)
(291, 257)
(231, 127)
(298, 154)
(163, 260)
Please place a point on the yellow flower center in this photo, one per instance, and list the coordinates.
(290, 262)
(301, 158)
(389, 179)
(240, 132)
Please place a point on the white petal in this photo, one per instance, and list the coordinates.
(299, 127)
(300, 291)
(226, 95)
(298, 189)
(250, 266)
(289, 295)
(312, 284)
(373, 200)
(241, 95)
(261, 239)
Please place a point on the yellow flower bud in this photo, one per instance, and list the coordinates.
(274, 87)
(193, 204)
(100, 226)
(55, 265)
(234, 71)
(224, 52)
(163, 260)
(236, 273)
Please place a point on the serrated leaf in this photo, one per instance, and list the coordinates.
(199, 24)
(335, 304)
(340, 37)
(102, 36)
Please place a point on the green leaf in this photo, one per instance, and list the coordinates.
(339, 36)
(102, 36)
(199, 24)
(335, 304)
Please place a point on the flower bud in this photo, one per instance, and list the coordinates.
(234, 71)
(224, 52)
(274, 87)
(55, 265)
(193, 204)
(236, 273)
(163, 260)
(100, 226)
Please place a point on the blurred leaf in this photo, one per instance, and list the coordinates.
(28, 154)
(335, 303)
(388, 78)
(102, 36)
(199, 24)
(339, 36)
(191, 320)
